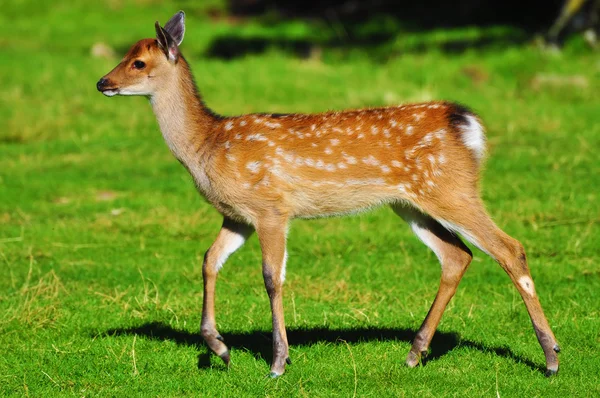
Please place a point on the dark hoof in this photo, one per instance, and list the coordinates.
(288, 361)
(220, 338)
(225, 357)
(551, 372)
(413, 359)
(556, 348)
(274, 375)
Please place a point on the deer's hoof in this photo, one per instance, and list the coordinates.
(415, 357)
(226, 358)
(274, 375)
(551, 372)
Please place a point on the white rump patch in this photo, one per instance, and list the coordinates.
(473, 136)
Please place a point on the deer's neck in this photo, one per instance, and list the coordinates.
(185, 122)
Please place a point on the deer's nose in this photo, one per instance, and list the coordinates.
(102, 83)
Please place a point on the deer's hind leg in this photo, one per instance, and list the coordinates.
(454, 258)
(469, 218)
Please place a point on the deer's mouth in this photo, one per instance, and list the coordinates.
(104, 86)
(109, 92)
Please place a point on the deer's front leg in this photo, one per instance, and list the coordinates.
(230, 238)
(272, 235)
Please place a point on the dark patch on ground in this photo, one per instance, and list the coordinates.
(260, 342)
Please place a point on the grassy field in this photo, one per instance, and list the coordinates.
(102, 233)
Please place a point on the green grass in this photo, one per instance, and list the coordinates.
(102, 233)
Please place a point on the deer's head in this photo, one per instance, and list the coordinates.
(149, 64)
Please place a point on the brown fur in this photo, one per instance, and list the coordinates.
(262, 170)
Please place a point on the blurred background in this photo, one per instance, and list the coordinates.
(377, 25)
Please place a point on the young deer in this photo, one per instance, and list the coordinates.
(262, 170)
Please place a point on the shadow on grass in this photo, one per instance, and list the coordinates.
(231, 46)
(259, 342)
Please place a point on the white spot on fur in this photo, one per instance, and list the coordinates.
(361, 135)
(230, 157)
(227, 145)
(396, 163)
(288, 157)
(409, 130)
(386, 133)
(350, 159)
(238, 136)
(527, 285)
(253, 166)
(370, 160)
(256, 137)
(374, 130)
(365, 181)
(272, 125)
(418, 116)
(228, 126)
(334, 141)
(385, 169)
(328, 151)
(243, 123)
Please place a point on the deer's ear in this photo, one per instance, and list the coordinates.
(176, 27)
(166, 43)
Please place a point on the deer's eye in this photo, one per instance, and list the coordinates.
(139, 64)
